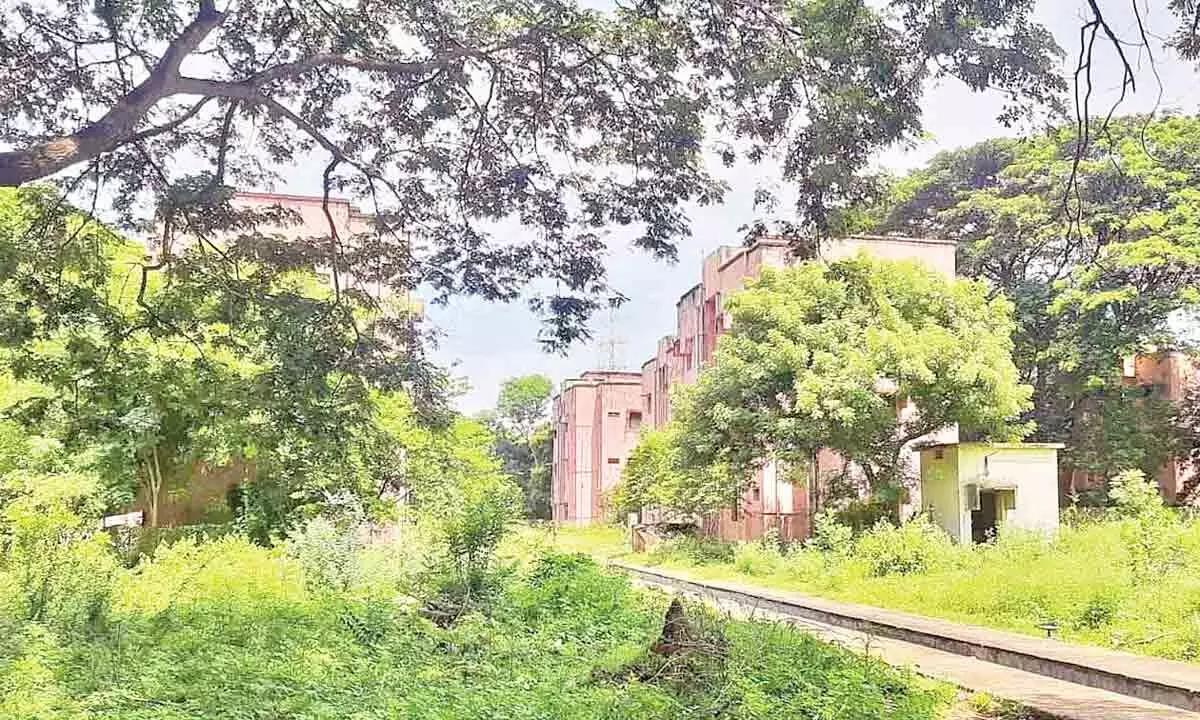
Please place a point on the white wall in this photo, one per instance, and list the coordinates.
(1034, 472)
(1030, 469)
(941, 491)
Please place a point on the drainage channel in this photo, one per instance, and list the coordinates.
(1067, 681)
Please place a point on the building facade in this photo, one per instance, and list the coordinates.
(781, 497)
(972, 489)
(596, 420)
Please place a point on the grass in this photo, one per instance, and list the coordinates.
(1089, 579)
(226, 630)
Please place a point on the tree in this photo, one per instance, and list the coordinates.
(523, 438)
(1096, 274)
(825, 356)
(146, 377)
(656, 478)
(522, 403)
(537, 492)
(450, 117)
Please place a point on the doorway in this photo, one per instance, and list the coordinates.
(983, 520)
(994, 506)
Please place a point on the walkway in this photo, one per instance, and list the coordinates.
(1073, 682)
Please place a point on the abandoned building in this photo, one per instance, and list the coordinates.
(596, 418)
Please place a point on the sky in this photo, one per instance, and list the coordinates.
(487, 343)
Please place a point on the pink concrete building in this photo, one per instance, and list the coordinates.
(774, 500)
(1168, 375)
(596, 420)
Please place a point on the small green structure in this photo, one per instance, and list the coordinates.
(970, 489)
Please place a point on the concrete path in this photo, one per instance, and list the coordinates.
(1005, 665)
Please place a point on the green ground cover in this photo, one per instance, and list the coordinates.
(227, 629)
(1117, 582)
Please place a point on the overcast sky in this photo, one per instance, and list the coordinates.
(487, 343)
(492, 342)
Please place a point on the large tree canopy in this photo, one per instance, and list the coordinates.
(144, 375)
(825, 356)
(461, 120)
(1096, 270)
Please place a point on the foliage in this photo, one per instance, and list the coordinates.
(823, 356)
(524, 440)
(1095, 276)
(1150, 530)
(327, 547)
(914, 547)
(57, 566)
(655, 478)
(154, 378)
(455, 119)
(541, 474)
(1118, 427)
(455, 482)
(202, 629)
(522, 403)
(691, 548)
(1090, 576)
(829, 535)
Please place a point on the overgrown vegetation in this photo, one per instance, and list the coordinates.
(1127, 579)
(229, 629)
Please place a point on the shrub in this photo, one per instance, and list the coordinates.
(328, 552)
(830, 535)
(689, 549)
(1150, 530)
(60, 565)
(913, 547)
(757, 558)
(468, 523)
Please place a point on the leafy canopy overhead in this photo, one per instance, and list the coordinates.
(495, 140)
(1095, 274)
(823, 356)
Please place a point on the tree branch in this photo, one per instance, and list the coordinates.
(118, 124)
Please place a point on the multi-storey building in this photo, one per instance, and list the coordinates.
(774, 499)
(597, 418)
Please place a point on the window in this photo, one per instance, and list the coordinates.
(614, 461)
(635, 420)
(613, 413)
(939, 453)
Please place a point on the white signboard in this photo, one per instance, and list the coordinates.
(133, 519)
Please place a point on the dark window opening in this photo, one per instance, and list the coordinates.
(614, 461)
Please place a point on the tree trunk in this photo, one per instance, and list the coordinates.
(155, 477)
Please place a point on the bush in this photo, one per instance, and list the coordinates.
(468, 523)
(757, 558)
(692, 550)
(1150, 530)
(59, 565)
(830, 535)
(914, 547)
(328, 552)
